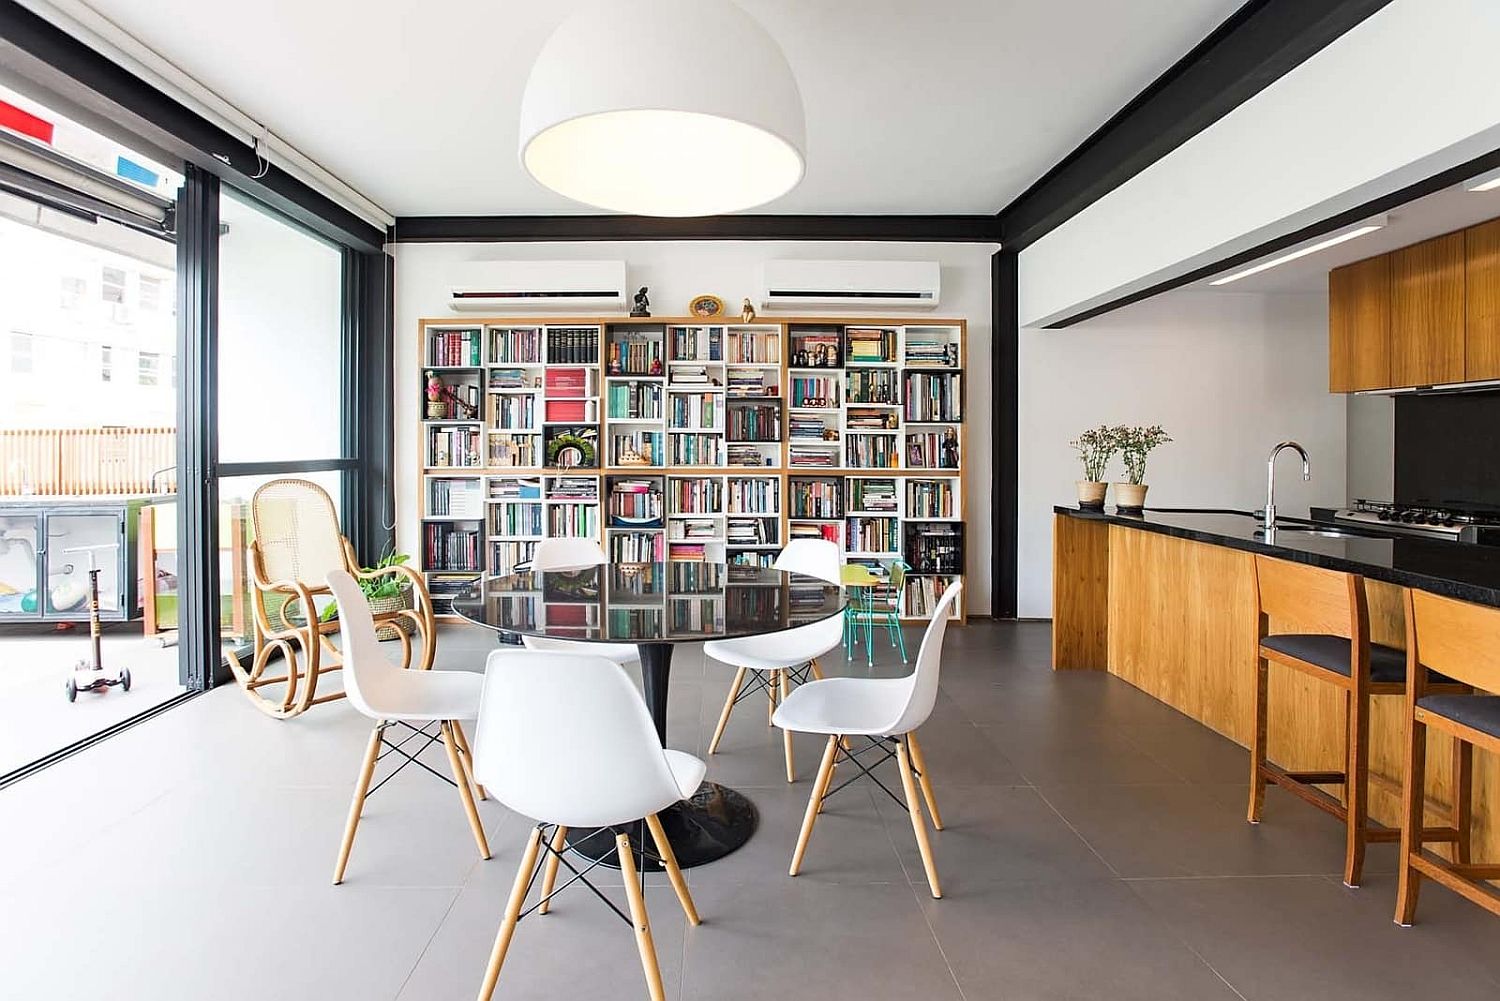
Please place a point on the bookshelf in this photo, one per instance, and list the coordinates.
(694, 443)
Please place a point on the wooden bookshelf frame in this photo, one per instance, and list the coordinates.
(782, 471)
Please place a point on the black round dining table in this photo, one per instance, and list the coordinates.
(657, 606)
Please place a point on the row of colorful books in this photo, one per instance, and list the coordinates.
(634, 400)
(516, 346)
(454, 347)
(933, 396)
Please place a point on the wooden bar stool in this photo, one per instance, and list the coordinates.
(1462, 641)
(1332, 643)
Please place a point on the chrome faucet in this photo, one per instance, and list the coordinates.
(1268, 516)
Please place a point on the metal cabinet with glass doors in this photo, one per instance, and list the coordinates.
(46, 548)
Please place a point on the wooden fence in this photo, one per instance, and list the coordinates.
(84, 462)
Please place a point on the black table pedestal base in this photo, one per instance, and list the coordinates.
(715, 822)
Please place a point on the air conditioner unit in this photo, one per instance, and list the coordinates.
(882, 285)
(540, 286)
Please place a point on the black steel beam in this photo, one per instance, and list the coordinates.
(369, 417)
(199, 657)
(231, 158)
(1257, 45)
(532, 228)
(1005, 472)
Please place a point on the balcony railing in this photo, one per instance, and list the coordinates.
(86, 462)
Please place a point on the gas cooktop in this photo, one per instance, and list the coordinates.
(1435, 519)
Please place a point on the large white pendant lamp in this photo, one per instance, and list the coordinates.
(663, 108)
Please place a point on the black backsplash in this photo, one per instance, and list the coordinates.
(1448, 448)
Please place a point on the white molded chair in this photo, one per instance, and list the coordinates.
(887, 712)
(565, 739)
(393, 696)
(576, 554)
(771, 662)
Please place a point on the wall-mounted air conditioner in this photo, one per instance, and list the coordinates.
(539, 286)
(882, 285)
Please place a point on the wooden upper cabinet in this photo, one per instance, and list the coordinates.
(1482, 300)
(1359, 326)
(1427, 312)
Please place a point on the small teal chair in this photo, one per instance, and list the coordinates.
(877, 599)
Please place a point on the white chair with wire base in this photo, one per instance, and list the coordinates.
(886, 712)
(773, 662)
(575, 554)
(566, 740)
(409, 700)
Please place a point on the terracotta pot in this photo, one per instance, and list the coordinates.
(1130, 496)
(1091, 494)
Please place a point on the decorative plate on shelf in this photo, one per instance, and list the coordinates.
(706, 305)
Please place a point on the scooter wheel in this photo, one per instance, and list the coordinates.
(72, 691)
(125, 679)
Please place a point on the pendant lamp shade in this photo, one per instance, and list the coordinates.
(663, 108)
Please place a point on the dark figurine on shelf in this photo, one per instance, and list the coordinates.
(948, 452)
(642, 304)
(614, 359)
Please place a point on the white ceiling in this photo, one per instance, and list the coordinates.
(1444, 211)
(913, 106)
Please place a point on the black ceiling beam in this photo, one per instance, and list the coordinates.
(534, 228)
(218, 151)
(1257, 45)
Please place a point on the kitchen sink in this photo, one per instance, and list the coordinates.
(1321, 531)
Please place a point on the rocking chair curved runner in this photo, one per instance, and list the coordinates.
(297, 543)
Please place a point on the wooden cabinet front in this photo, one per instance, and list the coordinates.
(1482, 301)
(1359, 326)
(1427, 312)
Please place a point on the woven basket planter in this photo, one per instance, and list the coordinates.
(395, 603)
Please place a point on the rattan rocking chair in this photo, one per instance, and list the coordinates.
(297, 542)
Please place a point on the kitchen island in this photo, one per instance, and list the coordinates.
(1165, 601)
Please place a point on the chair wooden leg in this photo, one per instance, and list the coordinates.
(464, 792)
(468, 758)
(815, 802)
(816, 668)
(771, 689)
(783, 686)
(674, 872)
(549, 868)
(638, 915)
(1258, 744)
(1412, 817)
(512, 914)
(734, 691)
(357, 807)
(918, 825)
(1356, 787)
(924, 780)
(1463, 799)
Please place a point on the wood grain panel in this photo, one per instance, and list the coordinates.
(1482, 301)
(1080, 593)
(1181, 628)
(1427, 312)
(1359, 326)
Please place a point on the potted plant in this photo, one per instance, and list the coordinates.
(1095, 447)
(387, 593)
(1135, 443)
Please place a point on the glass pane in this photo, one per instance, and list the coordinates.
(280, 347)
(77, 544)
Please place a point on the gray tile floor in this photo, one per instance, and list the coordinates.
(1095, 848)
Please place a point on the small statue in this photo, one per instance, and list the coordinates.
(747, 312)
(948, 453)
(437, 404)
(642, 304)
(614, 359)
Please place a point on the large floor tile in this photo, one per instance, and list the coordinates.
(992, 834)
(1293, 938)
(797, 939)
(1079, 940)
(1191, 830)
(1050, 754)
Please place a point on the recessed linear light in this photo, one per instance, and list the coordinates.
(1368, 226)
(1484, 182)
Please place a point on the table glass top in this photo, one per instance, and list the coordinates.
(649, 602)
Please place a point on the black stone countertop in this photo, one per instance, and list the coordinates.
(1456, 569)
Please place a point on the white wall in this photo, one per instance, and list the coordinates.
(1228, 375)
(1410, 91)
(676, 272)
